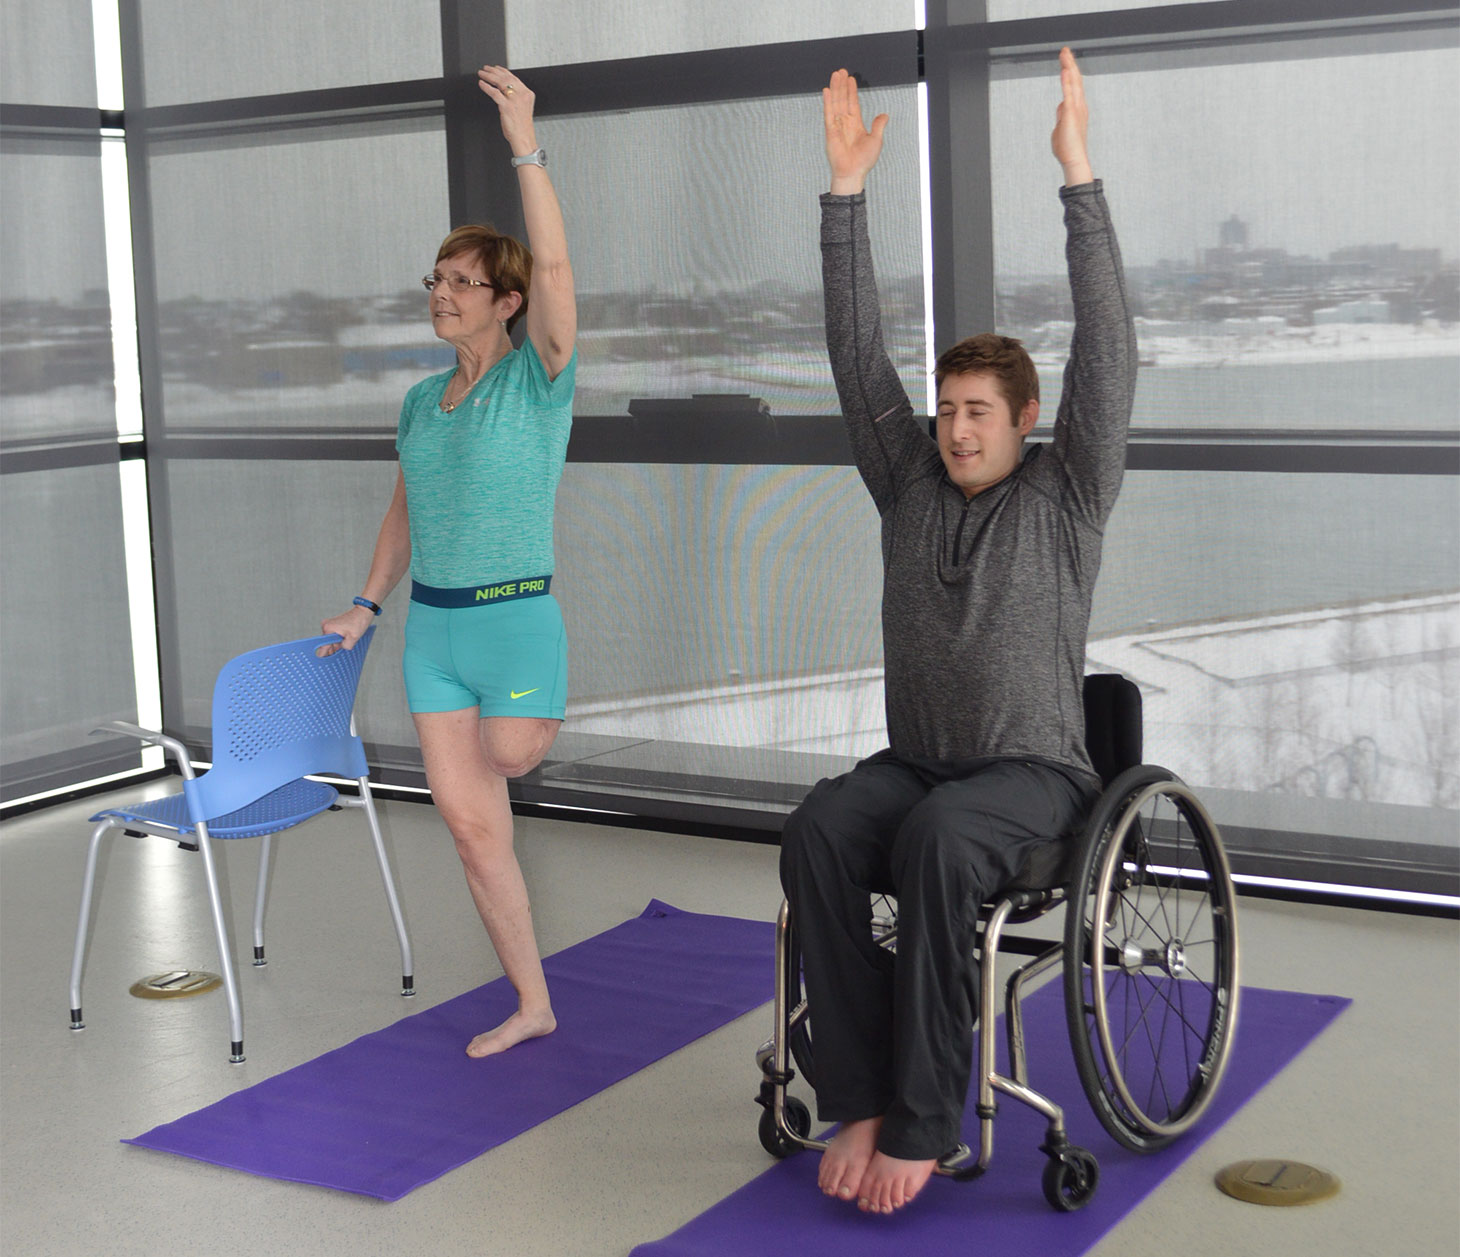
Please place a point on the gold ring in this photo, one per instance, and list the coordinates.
(508, 90)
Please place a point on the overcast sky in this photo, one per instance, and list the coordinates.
(1314, 152)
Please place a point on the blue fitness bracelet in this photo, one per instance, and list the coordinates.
(365, 602)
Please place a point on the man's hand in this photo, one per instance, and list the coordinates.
(1071, 121)
(851, 149)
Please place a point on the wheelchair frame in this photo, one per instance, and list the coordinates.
(1121, 875)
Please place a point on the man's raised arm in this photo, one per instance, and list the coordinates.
(879, 417)
(1099, 382)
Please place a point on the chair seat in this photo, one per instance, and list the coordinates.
(279, 809)
(1047, 865)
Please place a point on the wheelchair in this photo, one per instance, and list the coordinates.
(1150, 969)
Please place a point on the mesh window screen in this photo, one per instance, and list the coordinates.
(1292, 634)
(723, 623)
(723, 620)
(65, 647)
(1316, 256)
(55, 317)
(1293, 273)
(66, 650)
(282, 545)
(1012, 10)
(288, 268)
(564, 32)
(696, 254)
(46, 53)
(194, 50)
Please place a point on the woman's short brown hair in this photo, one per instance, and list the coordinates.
(506, 263)
(1002, 357)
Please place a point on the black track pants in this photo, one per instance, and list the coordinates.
(893, 1034)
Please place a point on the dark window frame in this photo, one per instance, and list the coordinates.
(953, 58)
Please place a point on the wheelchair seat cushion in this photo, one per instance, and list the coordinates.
(1047, 865)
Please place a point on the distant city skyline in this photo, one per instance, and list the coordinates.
(1196, 253)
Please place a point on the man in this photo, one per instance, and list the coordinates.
(990, 553)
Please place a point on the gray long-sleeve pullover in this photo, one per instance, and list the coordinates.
(986, 600)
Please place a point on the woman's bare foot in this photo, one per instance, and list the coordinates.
(514, 1030)
(846, 1158)
(888, 1183)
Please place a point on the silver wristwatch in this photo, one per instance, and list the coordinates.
(538, 158)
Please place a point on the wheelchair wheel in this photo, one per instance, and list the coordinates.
(1070, 1178)
(798, 1118)
(1151, 959)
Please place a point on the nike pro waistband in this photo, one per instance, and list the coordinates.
(480, 595)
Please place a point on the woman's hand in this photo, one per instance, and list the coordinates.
(351, 626)
(514, 102)
(851, 149)
(1071, 121)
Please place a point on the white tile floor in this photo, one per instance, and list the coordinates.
(1374, 1099)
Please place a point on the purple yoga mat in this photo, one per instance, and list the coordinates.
(400, 1107)
(1004, 1212)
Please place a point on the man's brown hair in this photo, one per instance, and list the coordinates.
(1003, 357)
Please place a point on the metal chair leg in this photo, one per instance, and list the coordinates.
(225, 951)
(260, 902)
(367, 801)
(78, 955)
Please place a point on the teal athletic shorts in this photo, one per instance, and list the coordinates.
(507, 656)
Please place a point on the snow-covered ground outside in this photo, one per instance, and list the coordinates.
(791, 375)
(1358, 703)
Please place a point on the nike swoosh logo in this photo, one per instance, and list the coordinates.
(525, 693)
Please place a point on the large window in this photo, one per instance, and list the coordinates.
(203, 50)
(684, 289)
(1294, 632)
(65, 649)
(1281, 574)
(288, 274)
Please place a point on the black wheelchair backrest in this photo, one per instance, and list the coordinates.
(1112, 723)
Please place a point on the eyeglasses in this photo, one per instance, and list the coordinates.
(457, 283)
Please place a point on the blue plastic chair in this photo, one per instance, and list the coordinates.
(278, 713)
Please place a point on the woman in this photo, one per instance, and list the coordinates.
(481, 451)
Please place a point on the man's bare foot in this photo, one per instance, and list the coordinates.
(514, 1030)
(888, 1183)
(846, 1157)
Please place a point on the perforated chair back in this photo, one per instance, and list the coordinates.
(1113, 728)
(280, 712)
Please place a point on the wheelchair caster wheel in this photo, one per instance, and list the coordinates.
(798, 1118)
(1070, 1178)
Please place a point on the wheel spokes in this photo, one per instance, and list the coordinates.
(1163, 1026)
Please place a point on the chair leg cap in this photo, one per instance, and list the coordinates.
(236, 1056)
(76, 1022)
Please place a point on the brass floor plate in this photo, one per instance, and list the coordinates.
(175, 984)
(1277, 1182)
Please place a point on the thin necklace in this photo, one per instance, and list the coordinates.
(447, 406)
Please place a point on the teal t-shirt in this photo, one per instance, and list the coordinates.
(481, 481)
